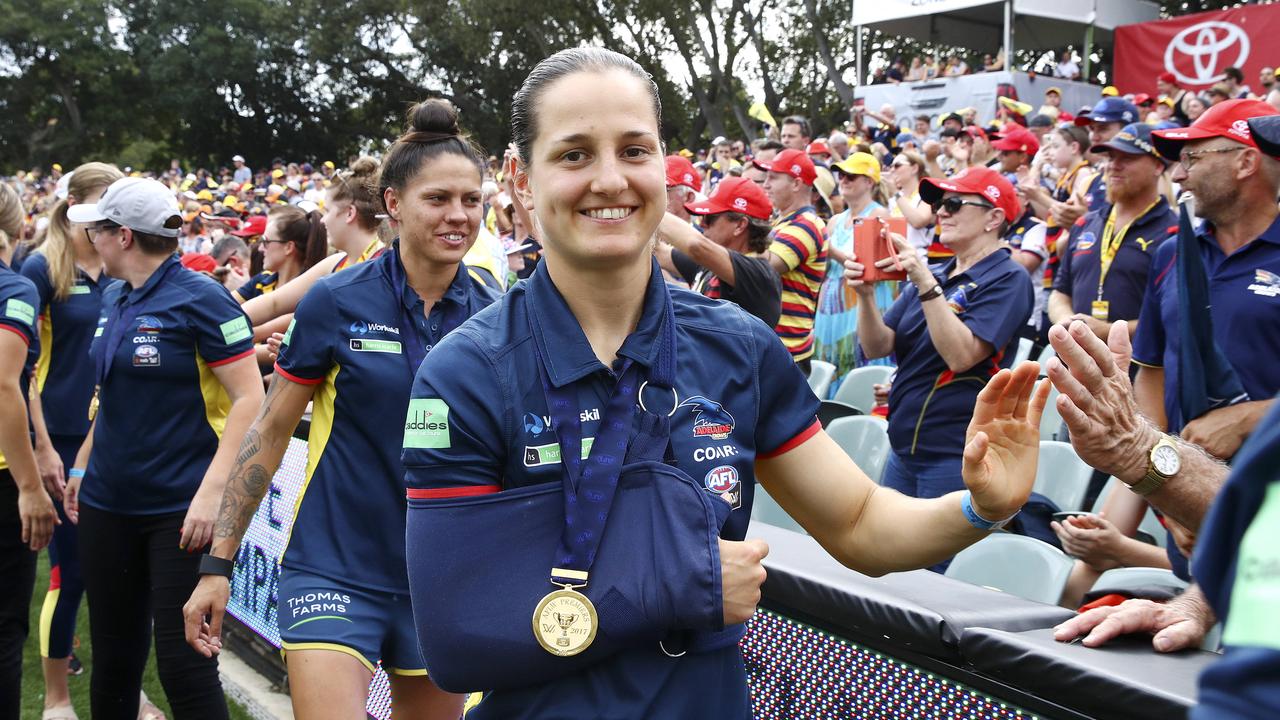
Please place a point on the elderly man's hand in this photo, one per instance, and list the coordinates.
(1178, 624)
(1096, 401)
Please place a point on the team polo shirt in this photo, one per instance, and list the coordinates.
(1097, 192)
(799, 240)
(161, 409)
(1244, 294)
(64, 375)
(1126, 282)
(740, 397)
(1236, 552)
(348, 339)
(18, 303)
(929, 404)
(260, 284)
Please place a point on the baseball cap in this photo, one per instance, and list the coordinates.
(1110, 91)
(818, 147)
(63, 188)
(974, 131)
(255, 225)
(1053, 89)
(1141, 99)
(735, 194)
(1134, 139)
(1229, 119)
(1266, 133)
(1110, 109)
(681, 172)
(859, 163)
(329, 164)
(140, 204)
(199, 262)
(1017, 138)
(825, 183)
(1040, 120)
(984, 181)
(950, 116)
(204, 195)
(790, 162)
(277, 173)
(1167, 77)
(237, 158)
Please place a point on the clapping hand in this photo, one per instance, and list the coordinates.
(1002, 445)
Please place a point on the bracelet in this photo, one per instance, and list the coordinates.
(76, 473)
(214, 565)
(934, 293)
(976, 520)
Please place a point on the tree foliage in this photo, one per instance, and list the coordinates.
(147, 80)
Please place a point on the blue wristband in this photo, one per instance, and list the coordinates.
(76, 473)
(976, 520)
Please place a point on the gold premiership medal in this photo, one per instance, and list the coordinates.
(565, 622)
(93, 405)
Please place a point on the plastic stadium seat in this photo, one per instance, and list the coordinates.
(1023, 352)
(1044, 356)
(1132, 578)
(856, 388)
(820, 375)
(1015, 564)
(1050, 421)
(831, 410)
(1062, 476)
(767, 510)
(865, 439)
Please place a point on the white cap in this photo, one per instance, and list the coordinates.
(139, 204)
(64, 186)
(237, 158)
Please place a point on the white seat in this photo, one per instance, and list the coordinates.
(1050, 421)
(856, 388)
(1023, 352)
(1132, 578)
(1043, 357)
(1150, 524)
(820, 375)
(767, 510)
(1061, 475)
(1015, 564)
(865, 438)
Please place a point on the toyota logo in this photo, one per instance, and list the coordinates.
(1208, 44)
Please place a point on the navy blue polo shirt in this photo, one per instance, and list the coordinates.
(18, 303)
(161, 409)
(260, 284)
(930, 405)
(1126, 281)
(1244, 292)
(1097, 192)
(349, 339)
(64, 375)
(1236, 555)
(740, 397)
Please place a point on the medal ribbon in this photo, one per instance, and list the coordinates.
(1111, 244)
(121, 320)
(590, 485)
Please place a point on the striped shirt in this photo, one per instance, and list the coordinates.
(798, 240)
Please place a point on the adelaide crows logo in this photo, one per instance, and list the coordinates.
(710, 419)
(1265, 283)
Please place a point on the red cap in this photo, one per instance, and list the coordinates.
(1141, 99)
(817, 147)
(974, 131)
(976, 181)
(791, 162)
(735, 194)
(255, 225)
(1228, 119)
(681, 172)
(200, 262)
(1167, 77)
(1016, 137)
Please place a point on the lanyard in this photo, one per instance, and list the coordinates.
(1111, 242)
(589, 485)
(121, 320)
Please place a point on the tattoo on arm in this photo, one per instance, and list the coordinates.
(244, 491)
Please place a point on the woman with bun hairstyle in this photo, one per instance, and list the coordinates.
(27, 516)
(352, 349)
(69, 280)
(591, 165)
(351, 220)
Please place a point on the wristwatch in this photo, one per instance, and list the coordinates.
(1164, 463)
(213, 565)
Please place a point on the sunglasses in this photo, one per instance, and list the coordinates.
(953, 204)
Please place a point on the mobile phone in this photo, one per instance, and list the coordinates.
(1060, 516)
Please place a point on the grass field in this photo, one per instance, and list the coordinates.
(33, 680)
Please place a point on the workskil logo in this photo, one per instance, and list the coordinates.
(710, 418)
(363, 328)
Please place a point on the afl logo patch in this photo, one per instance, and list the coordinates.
(723, 481)
(146, 356)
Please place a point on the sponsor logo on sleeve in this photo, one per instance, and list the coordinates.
(288, 334)
(427, 424)
(235, 330)
(21, 311)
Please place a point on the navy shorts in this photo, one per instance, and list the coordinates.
(316, 613)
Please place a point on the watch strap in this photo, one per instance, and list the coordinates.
(213, 565)
(1154, 479)
(935, 292)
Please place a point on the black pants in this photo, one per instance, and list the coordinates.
(136, 577)
(17, 578)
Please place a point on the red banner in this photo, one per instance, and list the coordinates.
(1197, 48)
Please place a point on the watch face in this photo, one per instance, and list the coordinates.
(1166, 460)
